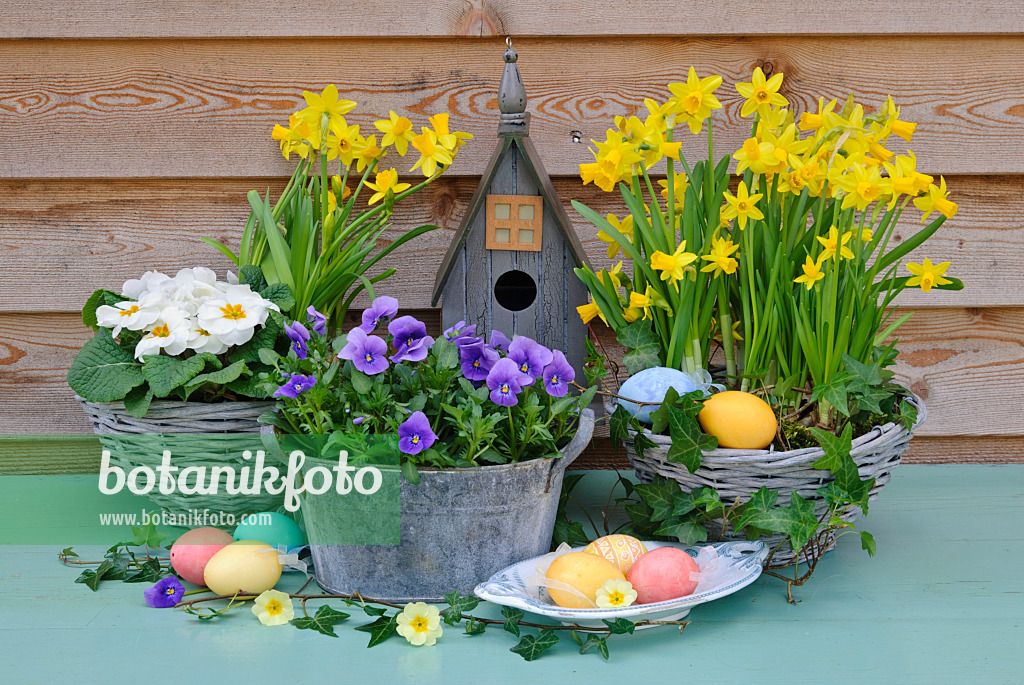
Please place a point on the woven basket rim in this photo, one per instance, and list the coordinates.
(118, 406)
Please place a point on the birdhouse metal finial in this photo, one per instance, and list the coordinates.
(515, 120)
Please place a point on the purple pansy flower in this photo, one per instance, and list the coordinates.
(367, 352)
(460, 332)
(477, 360)
(295, 386)
(558, 375)
(505, 382)
(530, 356)
(381, 309)
(298, 334)
(499, 341)
(165, 594)
(415, 435)
(410, 339)
(319, 320)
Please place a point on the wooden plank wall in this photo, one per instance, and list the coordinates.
(128, 130)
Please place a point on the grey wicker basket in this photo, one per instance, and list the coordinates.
(737, 473)
(131, 442)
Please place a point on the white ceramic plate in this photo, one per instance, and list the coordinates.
(742, 560)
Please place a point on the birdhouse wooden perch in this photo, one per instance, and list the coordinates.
(510, 264)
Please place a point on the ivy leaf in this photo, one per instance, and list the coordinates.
(620, 626)
(457, 606)
(569, 532)
(165, 374)
(373, 611)
(797, 521)
(252, 276)
(512, 618)
(618, 426)
(281, 295)
(475, 626)
(643, 345)
(148, 535)
(92, 579)
(707, 499)
(640, 516)
(687, 532)
(68, 553)
(761, 501)
(150, 572)
(531, 648)
(867, 542)
(835, 392)
(104, 372)
(863, 377)
(138, 399)
(600, 642)
(688, 440)
(641, 443)
(683, 503)
(837, 448)
(660, 497)
(908, 415)
(322, 621)
(870, 400)
(380, 630)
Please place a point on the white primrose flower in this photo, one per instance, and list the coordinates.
(201, 341)
(234, 315)
(130, 314)
(151, 282)
(232, 278)
(191, 288)
(170, 334)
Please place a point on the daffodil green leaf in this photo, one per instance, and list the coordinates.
(322, 621)
(280, 294)
(104, 372)
(512, 618)
(138, 399)
(380, 630)
(620, 626)
(165, 374)
(595, 641)
(253, 277)
(457, 606)
(531, 648)
(688, 440)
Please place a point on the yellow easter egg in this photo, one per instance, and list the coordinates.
(244, 567)
(739, 420)
(583, 572)
(621, 550)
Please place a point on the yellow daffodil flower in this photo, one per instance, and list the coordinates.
(588, 311)
(397, 132)
(450, 140)
(927, 275)
(615, 274)
(431, 154)
(617, 153)
(273, 608)
(326, 104)
(293, 138)
(660, 113)
(367, 152)
(893, 124)
(866, 235)
(809, 121)
(785, 146)
(643, 302)
(599, 175)
(742, 206)
(387, 181)
(420, 624)
(625, 227)
(673, 266)
(862, 186)
(756, 156)
(342, 144)
(935, 201)
(693, 101)
(335, 189)
(812, 273)
(615, 593)
(721, 257)
(761, 94)
(834, 246)
(679, 186)
(717, 334)
(631, 314)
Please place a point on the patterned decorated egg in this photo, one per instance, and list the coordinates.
(621, 550)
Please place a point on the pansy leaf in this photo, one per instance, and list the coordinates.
(620, 626)
(322, 621)
(688, 441)
(361, 383)
(595, 641)
(447, 353)
(165, 374)
(410, 472)
(104, 372)
(512, 618)
(380, 630)
(457, 606)
(531, 648)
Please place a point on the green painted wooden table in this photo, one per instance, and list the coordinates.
(940, 603)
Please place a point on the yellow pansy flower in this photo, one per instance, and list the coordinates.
(673, 266)
(693, 101)
(927, 275)
(431, 154)
(756, 156)
(742, 206)
(761, 94)
(721, 257)
(397, 132)
(625, 227)
(588, 311)
(834, 246)
(812, 273)
(935, 201)
(326, 104)
(386, 181)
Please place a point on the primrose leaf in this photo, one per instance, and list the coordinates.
(253, 277)
(531, 648)
(380, 630)
(104, 372)
(97, 300)
(281, 295)
(322, 621)
(688, 440)
(457, 605)
(512, 618)
(138, 399)
(165, 374)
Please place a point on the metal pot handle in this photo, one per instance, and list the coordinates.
(579, 442)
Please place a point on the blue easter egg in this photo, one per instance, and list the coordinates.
(271, 528)
(650, 385)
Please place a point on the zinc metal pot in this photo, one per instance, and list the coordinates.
(458, 527)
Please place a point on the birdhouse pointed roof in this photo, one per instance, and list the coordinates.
(513, 131)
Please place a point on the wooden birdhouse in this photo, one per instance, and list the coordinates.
(510, 265)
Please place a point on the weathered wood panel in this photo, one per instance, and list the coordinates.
(968, 364)
(69, 239)
(198, 108)
(290, 18)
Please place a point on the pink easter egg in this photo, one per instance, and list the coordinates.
(192, 551)
(662, 574)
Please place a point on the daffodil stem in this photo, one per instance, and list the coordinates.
(725, 325)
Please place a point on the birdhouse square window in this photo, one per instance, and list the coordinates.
(514, 222)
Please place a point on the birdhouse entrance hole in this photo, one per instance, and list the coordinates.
(515, 290)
